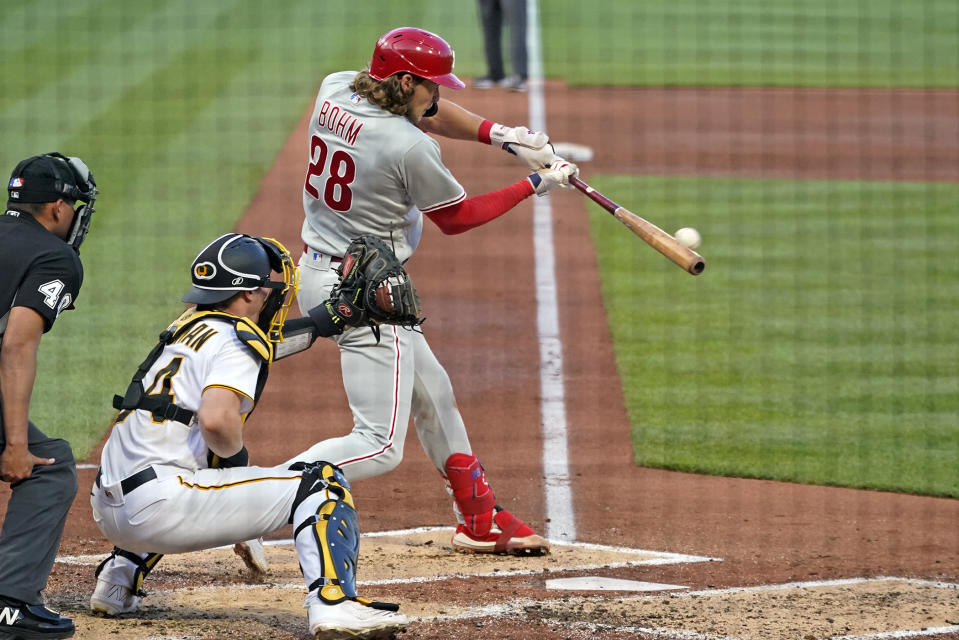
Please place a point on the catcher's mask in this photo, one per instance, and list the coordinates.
(52, 176)
(237, 262)
(415, 51)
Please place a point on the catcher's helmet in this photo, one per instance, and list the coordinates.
(411, 50)
(237, 262)
(52, 176)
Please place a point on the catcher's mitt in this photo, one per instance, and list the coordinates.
(374, 287)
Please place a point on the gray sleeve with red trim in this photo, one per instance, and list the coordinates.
(428, 181)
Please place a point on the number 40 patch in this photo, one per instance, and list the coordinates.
(51, 292)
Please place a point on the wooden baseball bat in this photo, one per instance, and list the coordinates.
(652, 235)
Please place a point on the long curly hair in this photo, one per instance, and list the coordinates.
(387, 94)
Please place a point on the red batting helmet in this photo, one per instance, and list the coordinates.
(411, 50)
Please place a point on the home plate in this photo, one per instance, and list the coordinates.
(599, 583)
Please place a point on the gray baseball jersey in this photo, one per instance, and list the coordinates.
(370, 172)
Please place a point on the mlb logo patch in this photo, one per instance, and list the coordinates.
(355, 98)
(16, 183)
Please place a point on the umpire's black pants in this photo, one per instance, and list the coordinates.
(35, 517)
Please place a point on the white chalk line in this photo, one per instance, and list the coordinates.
(818, 583)
(590, 546)
(659, 558)
(560, 518)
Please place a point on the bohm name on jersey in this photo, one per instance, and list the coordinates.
(340, 123)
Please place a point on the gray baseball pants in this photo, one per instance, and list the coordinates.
(36, 515)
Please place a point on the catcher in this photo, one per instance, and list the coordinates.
(174, 474)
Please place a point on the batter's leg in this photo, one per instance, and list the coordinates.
(483, 526)
(378, 379)
(438, 422)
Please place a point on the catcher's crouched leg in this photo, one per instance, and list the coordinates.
(327, 538)
(119, 587)
(484, 526)
(251, 552)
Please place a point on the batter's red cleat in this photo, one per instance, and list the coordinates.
(508, 535)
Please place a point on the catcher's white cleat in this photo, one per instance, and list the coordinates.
(254, 557)
(113, 599)
(350, 619)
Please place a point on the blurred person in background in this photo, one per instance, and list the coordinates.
(494, 16)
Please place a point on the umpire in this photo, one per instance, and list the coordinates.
(49, 207)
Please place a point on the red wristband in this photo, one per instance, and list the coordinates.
(483, 133)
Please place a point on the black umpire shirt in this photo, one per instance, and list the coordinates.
(37, 269)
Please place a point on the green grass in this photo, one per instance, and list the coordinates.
(820, 344)
(825, 43)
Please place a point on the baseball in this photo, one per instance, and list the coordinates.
(688, 237)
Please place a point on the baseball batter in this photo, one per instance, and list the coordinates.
(173, 474)
(374, 170)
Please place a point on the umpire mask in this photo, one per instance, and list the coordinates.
(238, 262)
(52, 176)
